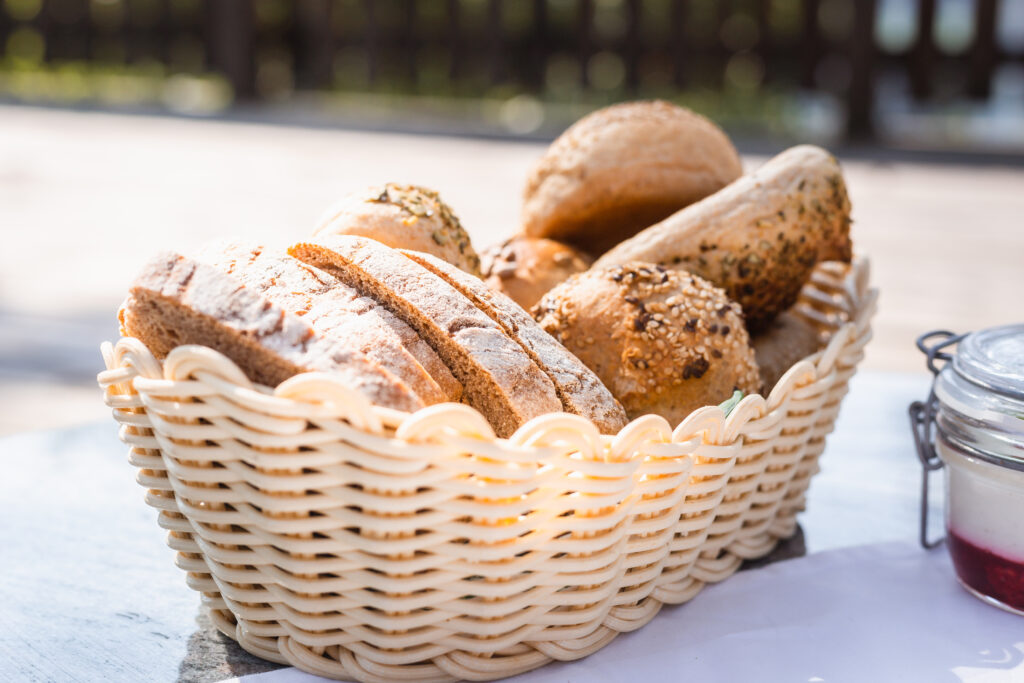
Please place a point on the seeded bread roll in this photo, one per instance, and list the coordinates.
(526, 268)
(622, 168)
(176, 301)
(579, 389)
(403, 217)
(788, 339)
(338, 312)
(760, 237)
(663, 341)
(499, 378)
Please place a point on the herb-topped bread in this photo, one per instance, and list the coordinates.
(403, 217)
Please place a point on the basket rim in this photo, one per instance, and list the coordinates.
(314, 396)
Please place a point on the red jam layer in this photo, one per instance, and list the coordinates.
(986, 572)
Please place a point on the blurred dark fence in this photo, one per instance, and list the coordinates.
(267, 49)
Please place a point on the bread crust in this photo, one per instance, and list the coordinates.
(760, 237)
(525, 268)
(403, 217)
(176, 300)
(499, 378)
(623, 168)
(663, 341)
(579, 390)
(787, 339)
(336, 311)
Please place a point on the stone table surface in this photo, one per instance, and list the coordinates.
(87, 197)
(89, 591)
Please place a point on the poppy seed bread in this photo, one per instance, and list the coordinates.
(662, 341)
(760, 237)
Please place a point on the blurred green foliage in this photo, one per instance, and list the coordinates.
(416, 54)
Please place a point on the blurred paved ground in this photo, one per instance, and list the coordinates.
(85, 198)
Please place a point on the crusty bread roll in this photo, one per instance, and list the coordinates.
(403, 217)
(524, 268)
(760, 237)
(499, 378)
(620, 169)
(176, 301)
(787, 339)
(663, 341)
(579, 389)
(338, 312)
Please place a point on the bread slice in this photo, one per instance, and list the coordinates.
(499, 378)
(176, 300)
(337, 311)
(578, 388)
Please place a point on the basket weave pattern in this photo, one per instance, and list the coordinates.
(353, 541)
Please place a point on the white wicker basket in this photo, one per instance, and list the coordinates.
(357, 542)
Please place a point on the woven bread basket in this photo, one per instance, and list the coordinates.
(356, 542)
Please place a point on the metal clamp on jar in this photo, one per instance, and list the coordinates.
(973, 424)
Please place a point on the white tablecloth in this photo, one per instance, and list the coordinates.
(884, 612)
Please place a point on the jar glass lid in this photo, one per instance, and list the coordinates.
(994, 359)
(981, 394)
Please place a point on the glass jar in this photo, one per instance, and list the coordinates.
(973, 424)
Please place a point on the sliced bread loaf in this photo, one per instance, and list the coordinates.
(578, 388)
(338, 312)
(176, 300)
(499, 378)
